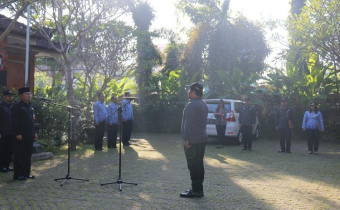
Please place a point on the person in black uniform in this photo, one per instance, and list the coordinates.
(194, 137)
(6, 131)
(284, 124)
(24, 131)
(247, 120)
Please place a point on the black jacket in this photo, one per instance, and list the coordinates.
(194, 121)
(283, 116)
(5, 119)
(23, 120)
(247, 115)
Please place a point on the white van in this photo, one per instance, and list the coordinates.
(233, 130)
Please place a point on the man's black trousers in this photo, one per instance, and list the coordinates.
(221, 133)
(247, 136)
(313, 137)
(22, 157)
(194, 156)
(285, 139)
(127, 128)
(111, 135)
(6, 150)
(99, 135)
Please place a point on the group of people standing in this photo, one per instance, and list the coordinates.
(284, 120)
(108, 116)
(194, 136)
(17, 133)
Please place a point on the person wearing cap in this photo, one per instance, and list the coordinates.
(112, 112)
(6, 131)
(127, 117)
(284, 124)
(24, 132)
(194, 137)
(312, 123)
(221, 123)
(99, 114)
(247, 120)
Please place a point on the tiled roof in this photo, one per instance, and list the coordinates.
(20, 29)
(43, 43)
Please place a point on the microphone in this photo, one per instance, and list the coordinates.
(130, 98)
(44, 99)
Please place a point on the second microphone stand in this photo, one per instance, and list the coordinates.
(69, 109)
(120, 180)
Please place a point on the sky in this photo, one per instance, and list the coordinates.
(257, 10)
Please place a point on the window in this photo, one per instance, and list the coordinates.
(212, 107)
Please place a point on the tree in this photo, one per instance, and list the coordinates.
(71, 22)
(316, 32)
(236, 46)
(204, 14)
(147, 55)
(173, 55)
(296, 6)
(221, 48)
(106, 55)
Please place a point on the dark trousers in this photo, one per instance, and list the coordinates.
(221, 133)
(194, 156)
(111, 135)
(99, 135)
(313, 137)
(247, 136)
(127, 128)
(22, 157)
(285, 138)
(6, 150)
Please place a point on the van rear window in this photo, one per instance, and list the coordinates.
(212, 107)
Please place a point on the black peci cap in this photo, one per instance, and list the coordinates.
(7, 93)
(24, 90)
(197, 87)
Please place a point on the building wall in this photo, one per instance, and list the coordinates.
(16, 71)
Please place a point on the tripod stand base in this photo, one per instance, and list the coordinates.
(120, 182)
(68, 176)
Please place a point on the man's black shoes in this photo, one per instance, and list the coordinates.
(30, 177)
(4, 170)
(192, 194)
(281, 151)
(9, 169)
(244, 149)
(20, 178)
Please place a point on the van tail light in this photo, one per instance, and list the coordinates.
(231, 117)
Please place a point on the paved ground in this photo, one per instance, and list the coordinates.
(235, 179)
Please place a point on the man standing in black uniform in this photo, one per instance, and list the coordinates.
(247, 120)
(24, 131)
(195, 138)
(284, 124)
(6, 131)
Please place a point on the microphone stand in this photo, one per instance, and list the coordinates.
(69, 109)
(120, 180)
